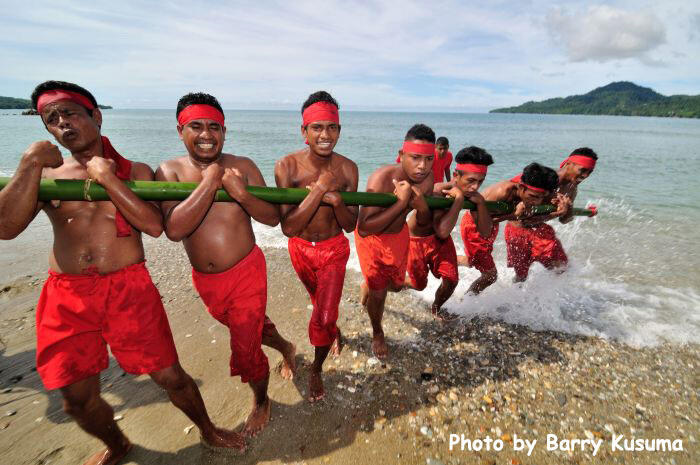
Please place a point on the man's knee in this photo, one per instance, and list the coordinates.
(78, 399)
(172, 378)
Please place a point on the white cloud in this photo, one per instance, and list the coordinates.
(604, 33)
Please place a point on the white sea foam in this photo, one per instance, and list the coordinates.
(610, 289)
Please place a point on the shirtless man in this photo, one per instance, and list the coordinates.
(526, 243)
(381, 237)
(228, 268)
(532, 239)
(98, 291)
(477, 228)
(318, 249)
(431, 247)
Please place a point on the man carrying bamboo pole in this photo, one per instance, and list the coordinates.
(532, 239)
(98, 291)
(381, 237)
(228, 268)
(432, 247)
(318, 249)
(528, 238)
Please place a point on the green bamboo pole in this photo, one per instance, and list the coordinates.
(69, 189)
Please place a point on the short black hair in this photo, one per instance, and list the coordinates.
(540, 176)
(62, 85)
(586, 152)
(475, 156)
(420, 132)
(442, 140)
(319, 96)
(197, 98)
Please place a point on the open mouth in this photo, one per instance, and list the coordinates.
(205, 146)
(70, 134)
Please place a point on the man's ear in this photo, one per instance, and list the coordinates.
(97, 116)
(179, 131)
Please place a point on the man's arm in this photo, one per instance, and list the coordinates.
(295, 218)
(445, 221)
(345, 216)
(19, 202)
(374, 220)
(235, 182)
(183, 218)
(569, 215)
(424, 216)
(142, 215)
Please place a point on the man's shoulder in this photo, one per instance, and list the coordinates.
(345, 162)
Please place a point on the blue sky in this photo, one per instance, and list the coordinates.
(442, 55)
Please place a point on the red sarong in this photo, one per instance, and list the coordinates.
(79, 314)
(321, 268)
(383, 258)
(237, 298)
(431, 254)
(526, 246)
(478, 249)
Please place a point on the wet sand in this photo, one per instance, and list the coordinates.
(479, 378)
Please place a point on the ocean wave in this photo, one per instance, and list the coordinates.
(610, 290)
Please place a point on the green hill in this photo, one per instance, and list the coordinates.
(617, 98)
(11, 103)
(14, 103)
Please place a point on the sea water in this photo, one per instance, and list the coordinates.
(634, 270)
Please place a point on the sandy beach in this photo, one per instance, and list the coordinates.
(478, 378)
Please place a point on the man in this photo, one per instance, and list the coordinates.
(477, 228)
(442, 160)
(533, 239)
(318, 249)
(431, 247)
(528, 239)
(98, 291)
(381, 237)
(228, 268)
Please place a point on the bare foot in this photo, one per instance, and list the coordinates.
(288, 365)
(443, 315)
(316, 391)
(364, 293)
(109, 457)
(220, 437)
(337, 346)
(379, 347)
(258, 419)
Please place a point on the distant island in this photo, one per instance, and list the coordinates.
(617, 98)
(11, 103)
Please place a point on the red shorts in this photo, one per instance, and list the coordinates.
(383, 258)
(479, 250)
(526, 246)
(431, 253)
(237, 299)
(321, 267)
(79, 314)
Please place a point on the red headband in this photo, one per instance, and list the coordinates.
(200, 111)
(421, 149)
(320, 111)
(55, 95)
(481, 169)
(518, 179)
(582, 160)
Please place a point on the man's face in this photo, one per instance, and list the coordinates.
(468, 182)
(530, 197)
(441, 150)
(416, 166)
(577, 173)
(203, 138)
(71, 124)
(321, 136)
